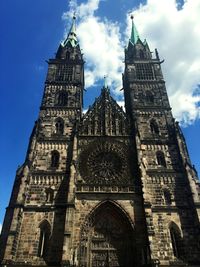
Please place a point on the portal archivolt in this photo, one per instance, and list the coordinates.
(107, 238)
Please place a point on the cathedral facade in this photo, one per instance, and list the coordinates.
(108, 188)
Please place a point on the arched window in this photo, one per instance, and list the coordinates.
(175, 235)
(45, 231)
(55, 156)
(149, 97)
(49, 194)
(59, 126)
(160, 158)
(167, 197)
(154, 127)
(61, 99)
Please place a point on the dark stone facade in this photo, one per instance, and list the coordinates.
(105, 188)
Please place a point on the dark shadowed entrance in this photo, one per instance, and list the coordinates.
(107, 238)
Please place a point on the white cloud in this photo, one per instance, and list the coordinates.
(100, 42)
(176, 34)
(102, 49)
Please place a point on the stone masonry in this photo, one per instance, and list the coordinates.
(109, 187)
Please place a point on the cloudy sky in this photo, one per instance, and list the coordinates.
(31, 31)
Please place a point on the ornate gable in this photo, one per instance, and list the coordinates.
(104, 118)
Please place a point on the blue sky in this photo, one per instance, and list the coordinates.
(31, 31)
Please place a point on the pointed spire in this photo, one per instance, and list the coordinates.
(105, 88)
(134, 32)
(71, 38)
(105, 82)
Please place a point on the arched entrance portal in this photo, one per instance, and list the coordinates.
(107, 238)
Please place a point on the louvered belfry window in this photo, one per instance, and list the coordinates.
(144, 71)
(64, 73)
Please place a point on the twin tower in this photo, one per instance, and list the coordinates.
(107, 188)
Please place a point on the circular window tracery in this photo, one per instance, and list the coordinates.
(104, 163)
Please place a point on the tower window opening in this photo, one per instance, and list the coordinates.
(149, 97)
(161, 158)
(167, 197)
(62, 99)
(64, 73)
(176, 240)
(44, 239)
(144, 71)
(55, 156)
(49, 194)
(154, 127)
(59, 126)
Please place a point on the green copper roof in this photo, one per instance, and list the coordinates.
(71, 38)
(134, 33)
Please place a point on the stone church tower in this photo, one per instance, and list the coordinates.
(107, 188)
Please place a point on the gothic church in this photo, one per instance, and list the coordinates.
(107, 188)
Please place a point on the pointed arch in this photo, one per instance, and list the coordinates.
(115, 205)
(59, 125)
(44, 238)
(55, 157)
(154, 126)
(176, 239)
(161, 158)
(107, 235)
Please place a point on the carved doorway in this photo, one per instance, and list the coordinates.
(107, 239)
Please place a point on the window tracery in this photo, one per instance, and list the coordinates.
(104, 163)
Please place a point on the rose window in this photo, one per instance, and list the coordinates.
(104, 163)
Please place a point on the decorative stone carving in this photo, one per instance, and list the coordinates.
(105, 163)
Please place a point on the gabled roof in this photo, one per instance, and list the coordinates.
(105, 117)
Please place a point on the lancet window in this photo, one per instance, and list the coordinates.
(161, 158)
(55, 156)
(45, 231)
